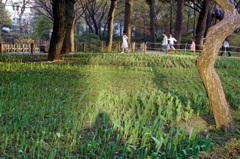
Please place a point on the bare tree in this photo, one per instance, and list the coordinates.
(59, 30)
(128, 18)
(44, 7)
(20, 8)
(179, 21)
(205, 63)
(68, 44)
(152, 15)
(110, 24)
(95, 12)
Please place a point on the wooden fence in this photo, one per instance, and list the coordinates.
(37, 46)
(43, 46)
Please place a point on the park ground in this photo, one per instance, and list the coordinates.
(112, 106)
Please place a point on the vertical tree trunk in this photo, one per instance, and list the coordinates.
(202, 21)
(72, 37)
(128, 18)
(110, 25)
(70, 22)
(152, 20)
(179, 22)
(58, 30)
(208, 22)
(205, 64)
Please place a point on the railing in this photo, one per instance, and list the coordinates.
(20, 47)
(100, 47)
(42, 46)
(185, 48)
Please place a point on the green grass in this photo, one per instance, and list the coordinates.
(107, 106)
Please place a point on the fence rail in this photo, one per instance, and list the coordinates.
(42, 46)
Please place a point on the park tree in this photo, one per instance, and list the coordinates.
(202, 21)
(41, 26)
(152, 16)
(4, 18)
(111, 15)
(20, 7)
(205, 63)
(95, 13)
(128, 18)
(179, 21)
(70, 15)
(59, 30)
(44, 8)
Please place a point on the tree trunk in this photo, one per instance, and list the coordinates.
(110, 25)
(128, 19)
(179, 22)
(70, 22)
(72, 37)
(205, 64)
(208, 22)
(58, 30)
(152, 20)
(202, 21)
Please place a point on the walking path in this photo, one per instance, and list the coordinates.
(147, 52)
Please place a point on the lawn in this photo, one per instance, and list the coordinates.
(111, 106)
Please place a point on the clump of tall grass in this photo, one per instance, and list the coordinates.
(149, 120)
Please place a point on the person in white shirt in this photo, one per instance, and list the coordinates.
(165, 43)
(171, 43)
(225, 48)
(124, 43)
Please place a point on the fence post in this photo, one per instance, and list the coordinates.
(32, 48)
(23, 48)
(1, 48)
(102, 46)
(133, 46)
(144, 47)
(84, 47)
(119, 44)
(185, 48)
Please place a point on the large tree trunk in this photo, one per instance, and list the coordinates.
(202, 21)
(58, 30)
(110, 25)
(208, 22)
(152, 20)
(68, 44)
(179, 22)
(205, 64)
(128, 18)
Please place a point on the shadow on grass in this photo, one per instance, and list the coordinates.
(100, 140)
(198, 103)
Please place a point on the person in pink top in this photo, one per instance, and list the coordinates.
(193, 46)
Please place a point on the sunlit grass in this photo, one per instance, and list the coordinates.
(105, 106)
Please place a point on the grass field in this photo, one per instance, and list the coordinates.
(112, 106)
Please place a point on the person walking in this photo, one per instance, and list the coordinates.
(225, 48)
(171, 43)
(193, 46)
(165, 43)
(124, 43)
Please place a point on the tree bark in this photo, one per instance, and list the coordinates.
(68, 44)
(59, 30)
(110, 25)
(205, 64)
(128, 19)
(202, 21)
(179, 22)
(152, 20)
(208, 22)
